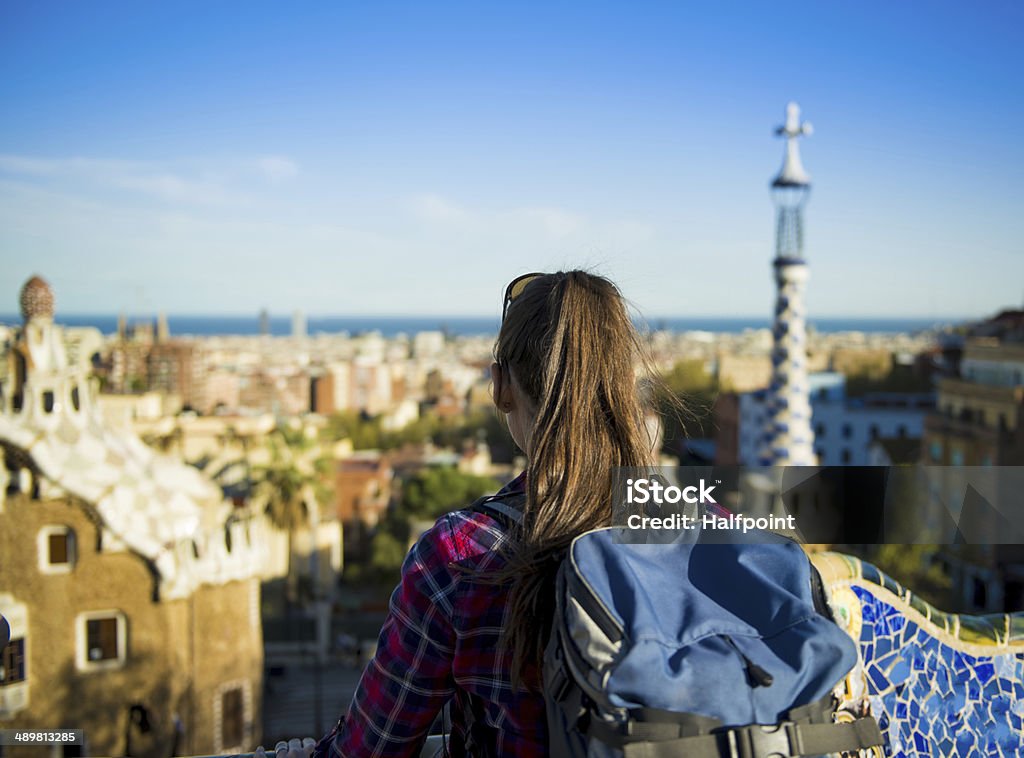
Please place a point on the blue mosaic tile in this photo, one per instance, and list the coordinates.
(921, 743)
(985, 671)
(883, 646)
(932, 699)
(964, 742)
(900, 671)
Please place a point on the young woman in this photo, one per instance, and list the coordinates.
(468, 621)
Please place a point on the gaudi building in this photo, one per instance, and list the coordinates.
(130, 585)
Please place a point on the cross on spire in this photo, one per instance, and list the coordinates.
(792, 173)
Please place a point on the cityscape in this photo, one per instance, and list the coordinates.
(212, 474)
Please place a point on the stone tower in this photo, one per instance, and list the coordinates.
(788, 439)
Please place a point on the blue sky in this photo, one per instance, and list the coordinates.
(384, 158)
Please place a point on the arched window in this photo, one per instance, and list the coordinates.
(18, 391)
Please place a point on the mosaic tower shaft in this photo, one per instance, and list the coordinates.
(788, 439)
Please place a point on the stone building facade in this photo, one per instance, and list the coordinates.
(132, 588)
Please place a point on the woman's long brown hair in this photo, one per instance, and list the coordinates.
(572, 347)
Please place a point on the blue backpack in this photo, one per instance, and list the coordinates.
(701, 647)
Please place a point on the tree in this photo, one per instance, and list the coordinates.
(434, 491)
(285, 489)
(281, 488)
(687, 385)
(364, 431)
(425, 496)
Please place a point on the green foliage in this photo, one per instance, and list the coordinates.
(434, 491)
(690, 385)
(900, 379)
(689, 376)
(425, 496)
(366, 433)
(387, 553)
(281, 485)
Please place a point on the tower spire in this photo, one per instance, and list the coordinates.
(792, 173)
(788, 439)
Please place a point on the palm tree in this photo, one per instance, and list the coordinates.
(284, 489)
(292, 488)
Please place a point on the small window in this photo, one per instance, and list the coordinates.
(102, 640)
(57, 553)
(874, 431)
(76, 398)
(48, 401)
(901, 431)
(12, 662)
(819, 430)
(956, 457)
(935, 451)
(847, 431)
(846, 456)
(232, 717)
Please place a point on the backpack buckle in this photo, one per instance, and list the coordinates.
(761, 741)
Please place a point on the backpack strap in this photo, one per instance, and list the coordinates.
(507, 508)
(807, 730)
(819, 595)
(786, 739)
(479, 737)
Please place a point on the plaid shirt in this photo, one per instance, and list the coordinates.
(441, 641)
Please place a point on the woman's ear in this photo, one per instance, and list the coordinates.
(502, 391)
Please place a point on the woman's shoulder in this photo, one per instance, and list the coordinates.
(477, 529)
(463, 534)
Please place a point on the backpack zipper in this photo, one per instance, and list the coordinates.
(757, 676)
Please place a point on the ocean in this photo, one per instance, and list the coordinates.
(390, 326)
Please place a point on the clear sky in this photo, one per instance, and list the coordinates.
(382, 158)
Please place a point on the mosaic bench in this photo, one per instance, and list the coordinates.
(940, 684)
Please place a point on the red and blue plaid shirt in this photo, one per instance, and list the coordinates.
(441, 641)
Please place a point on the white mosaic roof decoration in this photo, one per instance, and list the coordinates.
(156, 506)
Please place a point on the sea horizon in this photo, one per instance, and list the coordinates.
(193, 325)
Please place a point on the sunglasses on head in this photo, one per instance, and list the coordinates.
(515, 289)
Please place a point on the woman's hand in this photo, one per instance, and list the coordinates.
(294, 748)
